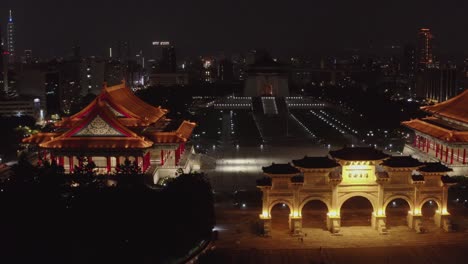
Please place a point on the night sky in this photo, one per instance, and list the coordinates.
(292, 27)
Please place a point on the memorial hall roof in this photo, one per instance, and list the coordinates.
(454, 108)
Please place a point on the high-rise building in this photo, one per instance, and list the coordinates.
(425, 55)
(437, 84)
(4, 65)
(123, 51)
(166, 57)
(28, 57)
(52, 82)
(225, 70)
(11, 39)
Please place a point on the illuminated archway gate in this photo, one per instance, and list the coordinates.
(352, 172)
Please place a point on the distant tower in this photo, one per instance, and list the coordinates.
(11, 39)
(3, 63)
(425, 56)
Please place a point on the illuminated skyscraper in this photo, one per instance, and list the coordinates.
(3, 64)
(425, 56)
(11, 39)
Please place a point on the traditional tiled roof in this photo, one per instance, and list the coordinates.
(122, 96)
(100, 129)
(315, 162)
(358, 154)
(265, 181)
(105, 123)
(437, 131)
(448, 180)
(275, 168)
(123, 104)
(454, 108)
(434, 167)
(40, 138)
(402, 162)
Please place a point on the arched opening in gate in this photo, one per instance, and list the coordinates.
(428, 210)
(280, 217)
(396, 212)
(356, 211)
(314, 214)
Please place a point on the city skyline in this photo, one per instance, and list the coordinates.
(50, 28)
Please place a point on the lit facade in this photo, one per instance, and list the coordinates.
(115, 126)
(443, 136)
(11, 39)
(351, 172)
(425, 47)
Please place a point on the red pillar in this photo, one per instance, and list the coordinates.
(451, 157)
(61, 161)
(90, 159)
(177, 156)
(428, 146)
(416, 140)
(108, 164)
(117, 161)
(437, 150)
(464, 156)
(458, 154)
(70, 163)
(162, 157)
(446, 154)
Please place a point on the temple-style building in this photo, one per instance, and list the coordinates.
(115, 126)
(442, 136)
(350, 172)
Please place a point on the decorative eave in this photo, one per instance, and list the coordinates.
(417, 179)
(280, 170)
(437, 132)
(454, 108)
(315, 164)
(40, 138)
(358, 154)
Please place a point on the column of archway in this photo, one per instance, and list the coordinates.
(295, 218)
(333, 215)
(414, 218)
(378, 220)
(265, 216)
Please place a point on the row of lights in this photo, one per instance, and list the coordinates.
(233, 105)
(327, 121)
(339, 122)
(307, 129)
(293, 104)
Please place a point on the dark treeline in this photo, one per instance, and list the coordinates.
(45, 220)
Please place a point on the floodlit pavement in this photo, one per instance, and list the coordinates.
(237, 168)
(238, 243)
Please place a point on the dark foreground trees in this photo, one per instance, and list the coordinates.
(46, 221)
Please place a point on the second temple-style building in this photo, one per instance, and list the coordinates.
(442, 136)
(350, 172)
(115, 126)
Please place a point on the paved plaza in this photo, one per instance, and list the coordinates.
(230, 168)
(239, 243)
